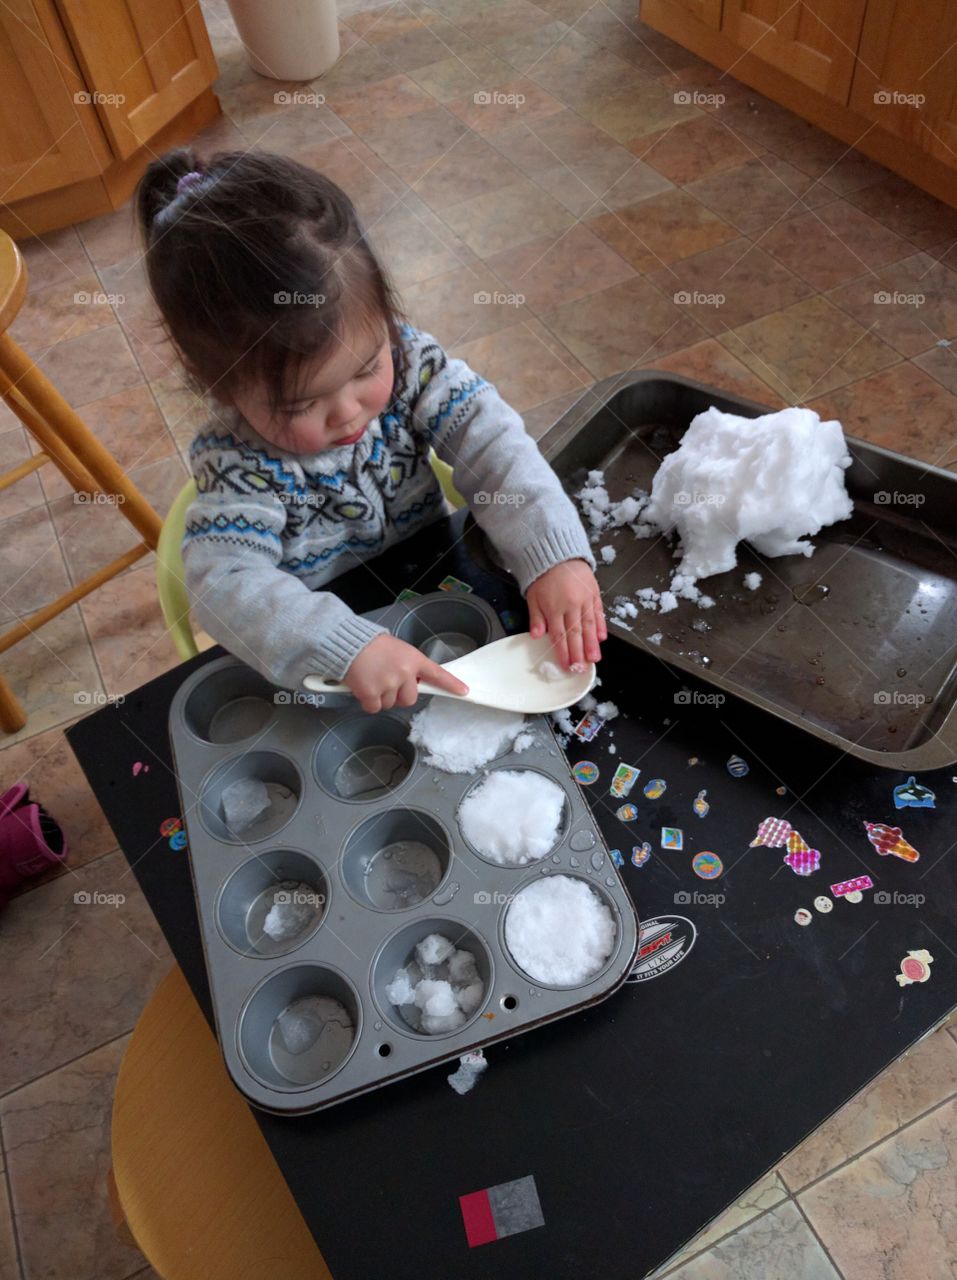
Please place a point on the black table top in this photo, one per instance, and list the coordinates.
(644, 1117)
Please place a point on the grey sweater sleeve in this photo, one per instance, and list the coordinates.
(238, 593)
(513, 493)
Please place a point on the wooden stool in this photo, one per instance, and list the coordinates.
(67, 442)
(192, 1175)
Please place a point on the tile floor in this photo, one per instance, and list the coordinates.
(621, 227)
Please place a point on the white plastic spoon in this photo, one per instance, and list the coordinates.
(505, 674)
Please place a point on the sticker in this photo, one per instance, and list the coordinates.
(627, 813)
(772, 833)
(640, 853)
(797, 843)
(170, 825)
(503, 1210)
(803, 862)
(692, 760)
(662, 945)
(913, 795)
(585, 773)
(802, 916)
(855, 895)
(139, 768)
(824, 904)
(456, 585)
(655, 788)
(707, 865)
(617, 859)
(737, 767)
(407, 594)
(626, 775)
(915, 967)
(588, 726)
(177, 840)
(780, 791)
(509, 620)
(844, 888)
(700, 804)
(672, 838)
(887, 840)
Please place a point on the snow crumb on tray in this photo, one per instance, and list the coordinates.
(559, 931)
(550, 670)
(459, 737)
(513, 816)
(440, 989)
(608, 555)
(752, 581)
(293, 912)
(471, 1066)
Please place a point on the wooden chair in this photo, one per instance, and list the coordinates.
(194, 1185)
(67, 442)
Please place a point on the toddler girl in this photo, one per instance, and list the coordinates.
(324, 402)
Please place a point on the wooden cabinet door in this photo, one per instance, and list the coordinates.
(906, 77)
(706, 11)
(49, 137)
(146, 59)
(814, 41)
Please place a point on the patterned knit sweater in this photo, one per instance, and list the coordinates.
(269, 527)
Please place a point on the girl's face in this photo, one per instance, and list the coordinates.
(335, 404)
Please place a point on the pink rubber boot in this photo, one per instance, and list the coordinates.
(31, 841)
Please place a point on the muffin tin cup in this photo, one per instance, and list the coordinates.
(608, 900)
(368, 832)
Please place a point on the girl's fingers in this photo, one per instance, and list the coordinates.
(556, 629)
(388, 699)
(590, 638)
(371, 702)
(602, 624)
(408, 694)
(434, 674)
(573, 636)
(536, 621)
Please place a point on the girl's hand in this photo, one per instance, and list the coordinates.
(566, 602)
(385, 672)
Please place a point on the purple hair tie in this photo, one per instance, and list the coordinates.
(188, 179)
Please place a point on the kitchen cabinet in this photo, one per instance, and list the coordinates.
(90, 91)
(880, 75)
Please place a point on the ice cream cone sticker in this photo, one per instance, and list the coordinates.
(772, 833)
(887, 840)
(915, 967)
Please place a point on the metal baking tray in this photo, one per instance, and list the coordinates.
(227, 722)
(855, 644)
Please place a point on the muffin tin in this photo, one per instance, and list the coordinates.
(362, 835)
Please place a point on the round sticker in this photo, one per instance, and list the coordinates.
(170, 825)
(178, 840)
(854, 896)
(707, 865)
(627, 813)
(913, 968)
(824, 904)
(803, 916)
(655, 788)
(585, 773)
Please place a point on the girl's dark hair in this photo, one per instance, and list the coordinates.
(239, 258)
